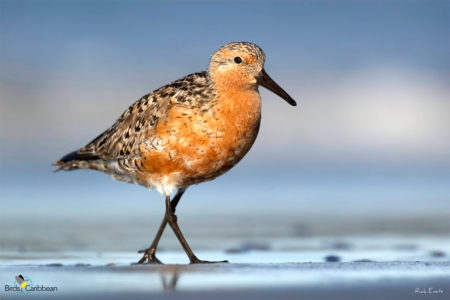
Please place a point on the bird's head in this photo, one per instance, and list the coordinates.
(241, 65)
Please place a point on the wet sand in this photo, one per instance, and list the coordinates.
(113, 276)
(273, 258)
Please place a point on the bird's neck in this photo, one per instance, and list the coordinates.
(236, 96)
(238, 104)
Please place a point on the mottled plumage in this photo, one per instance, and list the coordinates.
(189, 131)
(116, 151)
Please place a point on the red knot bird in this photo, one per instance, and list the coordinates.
(187, 132)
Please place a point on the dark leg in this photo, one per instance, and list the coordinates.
(172, 220)
(149, 255)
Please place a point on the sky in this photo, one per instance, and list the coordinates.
(371, 79)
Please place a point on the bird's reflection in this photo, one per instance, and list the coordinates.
(169, 278)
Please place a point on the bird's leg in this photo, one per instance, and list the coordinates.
(172, 220)
(149, 253)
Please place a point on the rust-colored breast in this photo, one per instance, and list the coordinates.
(195, 144)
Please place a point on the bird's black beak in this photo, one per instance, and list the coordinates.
(267, 82)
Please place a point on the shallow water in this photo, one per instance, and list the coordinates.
(271, 257)
(401, 267)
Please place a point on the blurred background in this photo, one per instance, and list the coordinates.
(366, 152)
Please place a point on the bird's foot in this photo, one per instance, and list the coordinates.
(199, 261)
(149, 257)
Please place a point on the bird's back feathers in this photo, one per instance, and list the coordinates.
(121, 141)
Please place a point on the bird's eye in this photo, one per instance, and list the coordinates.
(237, 60)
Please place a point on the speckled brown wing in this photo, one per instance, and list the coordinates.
(138, 121)
(121, 141)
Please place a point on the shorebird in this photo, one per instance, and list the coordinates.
(187, 132)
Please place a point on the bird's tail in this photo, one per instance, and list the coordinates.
(75, 160)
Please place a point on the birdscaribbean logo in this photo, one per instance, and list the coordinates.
(24, 285)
